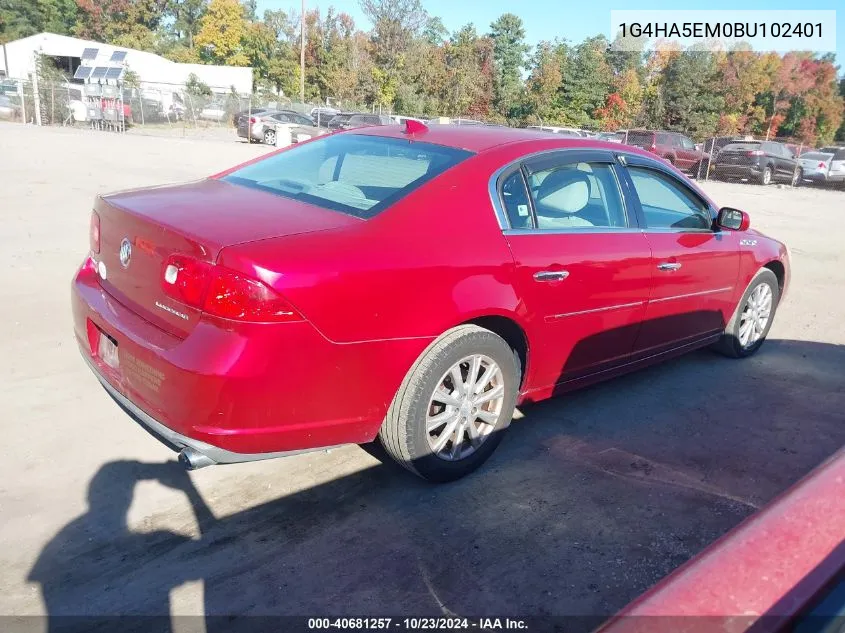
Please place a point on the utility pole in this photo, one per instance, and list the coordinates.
(302, 54)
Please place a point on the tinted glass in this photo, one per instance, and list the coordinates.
(576, 196)
(358, 175)
(687, 143)
(641, 139)
(515, 201)
(745, 146)
(666, 203)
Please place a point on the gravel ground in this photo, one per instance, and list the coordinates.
(590, 499)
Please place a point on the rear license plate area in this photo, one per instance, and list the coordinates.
(107, 350)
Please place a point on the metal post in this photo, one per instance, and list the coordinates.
(36, 101)
(710, 159)
(302, 54)
(52, 103)
(23, 100)
(795, 169)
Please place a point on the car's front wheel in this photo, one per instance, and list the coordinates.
(752, 319)
(454, 405)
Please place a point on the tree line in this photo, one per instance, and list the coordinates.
(408, 62)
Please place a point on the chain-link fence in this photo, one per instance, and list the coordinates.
(150, 107)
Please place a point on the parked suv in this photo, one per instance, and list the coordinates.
(673, 147)
(763, 161)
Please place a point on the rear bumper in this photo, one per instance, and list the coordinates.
(178, 442)
(823, 177)
(231, 389)
(737, 171)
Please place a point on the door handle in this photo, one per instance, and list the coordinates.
(668, 266)
(551, 275)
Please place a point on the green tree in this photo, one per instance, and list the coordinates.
(22, 18)
(509, 51)
(691, 93)
(186, 16)
(221, 33)
(587, 80)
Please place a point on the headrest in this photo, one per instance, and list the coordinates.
(565, 191)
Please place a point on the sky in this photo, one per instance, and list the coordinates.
(572, 20)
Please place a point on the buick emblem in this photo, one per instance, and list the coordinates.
(125, 252)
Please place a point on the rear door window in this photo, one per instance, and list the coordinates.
(575, 195)
(355, 174)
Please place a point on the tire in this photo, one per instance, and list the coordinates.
(796, 177)
(730, 344)
(404, 433)
(766, 176)
(270, 137)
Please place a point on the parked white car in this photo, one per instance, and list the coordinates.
(213, 112)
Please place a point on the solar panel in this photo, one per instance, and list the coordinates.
(82, 72)
(118, 56)
(90, 53)
(114, 73)
(99, 72)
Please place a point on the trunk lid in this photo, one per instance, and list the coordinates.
(197, 219)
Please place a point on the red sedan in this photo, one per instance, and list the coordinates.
(410, 284)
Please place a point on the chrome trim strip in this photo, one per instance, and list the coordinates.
(692, 294)
(582, 231)
(215, 453)
(555, 317)
(492, 184)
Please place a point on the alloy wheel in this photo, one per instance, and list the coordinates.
(755, 315)
(270, 137)
(465, 407)
(767, 176)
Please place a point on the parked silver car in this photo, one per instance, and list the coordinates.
(825, 166)
(262, 127)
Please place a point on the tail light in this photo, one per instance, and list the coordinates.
(252, 119)
(822, 165)
(95, 232)
(755, 152)
(653, 147)
(224, 293)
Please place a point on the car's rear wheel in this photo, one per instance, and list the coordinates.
(453, 407)
(270, 137)
(766, 176)
(752, 319)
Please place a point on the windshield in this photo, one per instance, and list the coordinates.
(356, 174)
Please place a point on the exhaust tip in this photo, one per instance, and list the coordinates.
(193, 460)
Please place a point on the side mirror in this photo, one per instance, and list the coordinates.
(733, 219)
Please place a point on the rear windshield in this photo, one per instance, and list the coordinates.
(816, 156)
(641, 139)
(352, 173)
(742, 147)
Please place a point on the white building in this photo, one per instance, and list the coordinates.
(17, 61)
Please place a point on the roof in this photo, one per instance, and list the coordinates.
(151, 68)
(475, 138)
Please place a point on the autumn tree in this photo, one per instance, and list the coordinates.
(221, 33)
